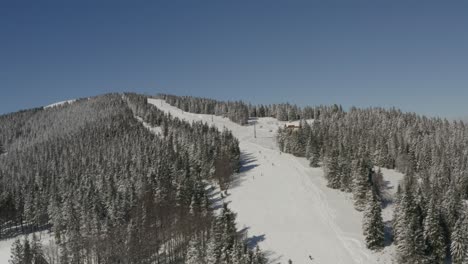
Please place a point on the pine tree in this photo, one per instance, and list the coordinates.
(237, 254)
(312, 152)
(314, 158)
(37, 251)
(2, 149)
(211, 254)
(459, 245)
(28, 255)
(361, 184)
(193, 255)
(433, 234)
(397, 216)
(373, 226)
(17, 253)
(345, 173)
(292, 113)
(452, 206)
(258, 257)
(332, 172)
(410, 243)
(281, 113)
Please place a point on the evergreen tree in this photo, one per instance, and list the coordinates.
(313, 153)
(373, 226)
(459, 245)
(258, 257)
(193, 255)
(332, 170)
(345, 173)
(433, 234)
(361, 184)
(17, 253)
(211, 254)
(410, 243)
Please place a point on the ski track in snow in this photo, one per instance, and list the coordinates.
(155, 130)
(285, 205)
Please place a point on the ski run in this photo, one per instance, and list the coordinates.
(285, 205)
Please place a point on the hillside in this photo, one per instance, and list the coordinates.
(113, 191)
(134, 179)
(285, 204)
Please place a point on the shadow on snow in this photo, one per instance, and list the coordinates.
(248, 162)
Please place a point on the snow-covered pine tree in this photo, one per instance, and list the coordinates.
(361, 183)
(373, 226)
(37, 251)
(281, 113)
(315, 158)
(397, 216)
(434, 234)
(452, 205)
(237, 253)
(410, 243)
(344, 171)
(211, 255)
(459, 245)
(17, 253)
(194, 252)
(312, 152)
(332, 170)
(258, 257)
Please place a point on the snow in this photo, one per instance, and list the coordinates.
(392, 178)
(5, 249)
(5, 245)
(282, 202)
(298, 122)
(285, 205)
(59, 103)
(156, 130)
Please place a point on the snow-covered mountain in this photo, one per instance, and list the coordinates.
(153, 160)
(286, 205)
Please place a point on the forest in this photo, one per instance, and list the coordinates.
(239, 111)
(430, 223)
(113, 192)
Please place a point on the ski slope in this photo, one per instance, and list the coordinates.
(60, 103)
(285, 205)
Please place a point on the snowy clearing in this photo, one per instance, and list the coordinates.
(5, 245)
(285, 205)
(59, 103)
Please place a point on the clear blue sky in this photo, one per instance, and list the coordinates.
(408, 54)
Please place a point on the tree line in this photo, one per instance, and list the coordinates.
(240, 112)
